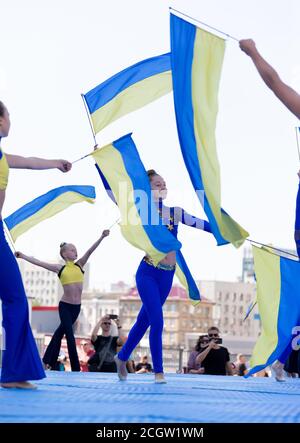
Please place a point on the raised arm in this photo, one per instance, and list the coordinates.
(181, 216)
(83, 260)
(95, 331)
(18, 162)
(202, 356)
(49, 266)
(288, 96)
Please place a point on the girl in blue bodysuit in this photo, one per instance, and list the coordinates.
(154, 284)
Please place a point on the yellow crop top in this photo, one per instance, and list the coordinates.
(4, 171)
(71, 273)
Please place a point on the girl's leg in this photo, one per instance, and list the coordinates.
(135, 335)
(68, 315)
(53, 349)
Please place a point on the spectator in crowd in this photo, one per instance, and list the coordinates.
(143, 367)
(130, 366)
(292, 365)
(105, 346)
(240, 365)
(192, 366)
(215, 358)
(61, 362)
(87, 351)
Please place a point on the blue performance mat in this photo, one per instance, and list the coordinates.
(66, 397)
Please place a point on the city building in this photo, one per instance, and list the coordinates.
(94, 305)
(231, 303)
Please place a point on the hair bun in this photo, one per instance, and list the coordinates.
(151, 173)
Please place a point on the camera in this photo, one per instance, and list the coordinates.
(113, 316)
(218, 341)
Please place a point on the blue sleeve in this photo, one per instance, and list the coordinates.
(297, 223)
(192, 221)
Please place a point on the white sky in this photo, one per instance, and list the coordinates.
(53, 51)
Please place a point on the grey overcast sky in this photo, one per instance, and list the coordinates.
(53, 51)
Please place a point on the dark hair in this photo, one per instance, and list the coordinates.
(151, 173)
(200, 339)
(61, 246)
(213, 328)
(2, 109)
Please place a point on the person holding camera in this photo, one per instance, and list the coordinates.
(214, 358)
(105, 345)
(193, 367)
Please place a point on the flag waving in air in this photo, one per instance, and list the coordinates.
(278, 298)
(46, 206)
(196, 59)
(126, 182)
(130, 89)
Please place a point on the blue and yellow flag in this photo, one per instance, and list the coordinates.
(130, 89)
(46, 206)
(124, 178)
(278, 298)
(186, 279)
(196, 59)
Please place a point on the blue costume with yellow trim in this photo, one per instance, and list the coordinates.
(21, 360)
(154, 285)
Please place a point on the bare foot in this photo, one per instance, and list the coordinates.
(121, 368)
(160, 378)
(47, 367)
(19, 385)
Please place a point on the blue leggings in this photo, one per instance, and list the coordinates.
(21, 360)
(153, 286)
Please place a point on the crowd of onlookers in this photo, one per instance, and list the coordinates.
(97, 354)
(208, 357)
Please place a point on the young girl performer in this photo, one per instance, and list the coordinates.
(71, 278)
(154, 284)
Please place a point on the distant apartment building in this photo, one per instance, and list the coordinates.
(231, 302)
(44, 286)
(94, 305)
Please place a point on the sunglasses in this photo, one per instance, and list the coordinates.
(213, 335)
(106, 323)
(205, 342)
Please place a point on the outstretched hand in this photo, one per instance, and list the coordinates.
(18, 254)
(64, 165)
(248, 46)
(105, 233)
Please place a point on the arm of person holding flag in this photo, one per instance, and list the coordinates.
(19, 162)
(181, 216)
(83, 260)
(49, 266)
(287, 95)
